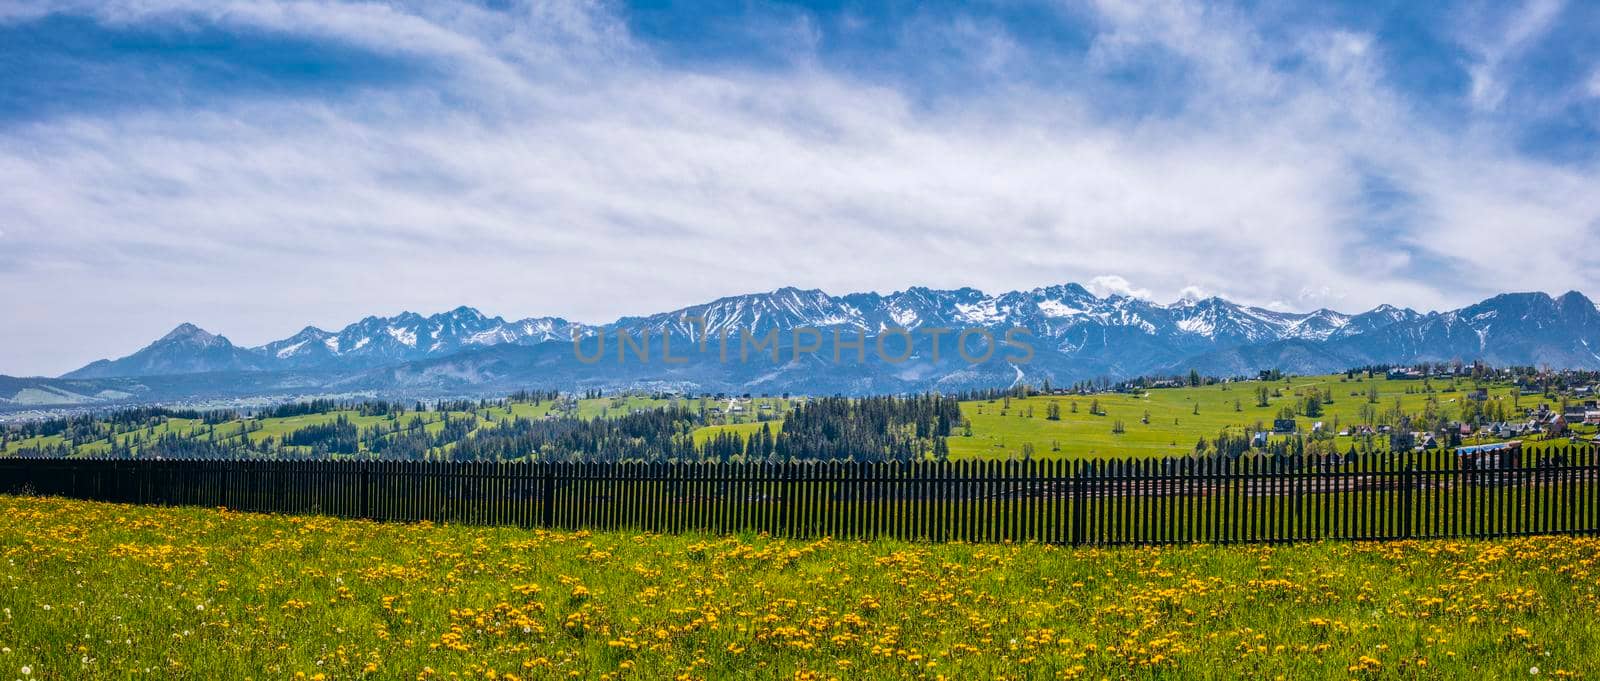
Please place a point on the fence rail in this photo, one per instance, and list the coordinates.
(1103, 502)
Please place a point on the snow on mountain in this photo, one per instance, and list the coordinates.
(1078, 334)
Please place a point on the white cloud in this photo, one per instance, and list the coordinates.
(1499, 42)
(1111, 284)
(564, 171)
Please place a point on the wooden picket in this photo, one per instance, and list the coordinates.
(1427, 495)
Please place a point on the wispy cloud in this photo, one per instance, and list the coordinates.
(550, 161)
(1500, 41)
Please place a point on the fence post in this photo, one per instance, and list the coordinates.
(1406, 482)
(1077, 504)
(366, 508)
(548, 514)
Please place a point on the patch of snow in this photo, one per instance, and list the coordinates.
(982, 312)
(406, 337)
(1197, 325)
(494, 336)
(289, 350)
(1055, 308)
(905, 318)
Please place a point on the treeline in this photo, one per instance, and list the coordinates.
(664, 434)
(830, 429)
(338, 437)
(313, 407)
(84, 428)
(870, 429)
(843, 429)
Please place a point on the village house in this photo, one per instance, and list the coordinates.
(1490, 456)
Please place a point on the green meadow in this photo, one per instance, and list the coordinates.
(1169, 421)
(1153, 423)
(95, 590)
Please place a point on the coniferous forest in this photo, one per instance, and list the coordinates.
(839, 429)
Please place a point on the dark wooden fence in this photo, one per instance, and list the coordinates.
(1165, 501)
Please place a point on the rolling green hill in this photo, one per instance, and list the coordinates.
(1155, 422)
(1178, 417)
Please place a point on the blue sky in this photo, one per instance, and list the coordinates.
(256, 166)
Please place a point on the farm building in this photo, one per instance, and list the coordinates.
(1498, 455)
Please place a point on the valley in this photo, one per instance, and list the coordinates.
(1153, 422)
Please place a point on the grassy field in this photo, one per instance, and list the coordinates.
(743, 429)
(105, 591)
(1000, 431)
(743, 421)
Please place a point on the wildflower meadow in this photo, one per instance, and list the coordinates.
(94, 590)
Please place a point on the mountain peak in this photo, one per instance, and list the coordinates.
(189, 332)
(1574, 298)
(184, 350)
(795, 292)
(1067, 290)
(1079, 333)
(466, 311)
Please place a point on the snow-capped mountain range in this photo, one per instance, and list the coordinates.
(1074, 333)
(373, 341)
